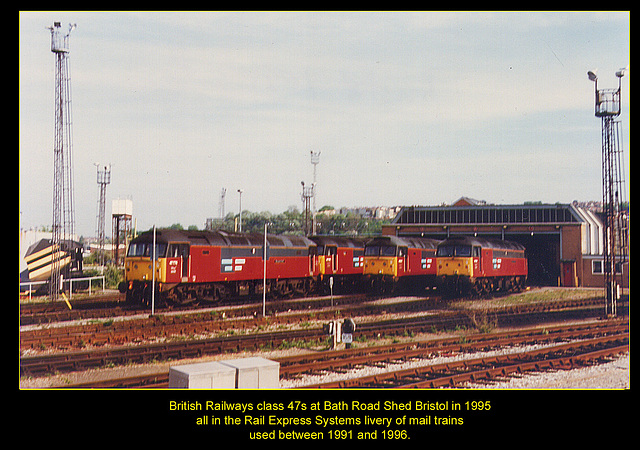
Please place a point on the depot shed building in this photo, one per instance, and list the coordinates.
(564, 242)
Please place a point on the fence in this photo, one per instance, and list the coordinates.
(69, 282)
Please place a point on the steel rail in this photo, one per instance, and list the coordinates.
(191, 348)
(340, 359)
(310, 363)
(452, 374)
(125, 331)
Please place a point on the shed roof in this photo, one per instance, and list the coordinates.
(489, 214)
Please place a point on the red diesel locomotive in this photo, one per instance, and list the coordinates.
(215, 265)
(392, 264)
(476, 266)
(341, 263)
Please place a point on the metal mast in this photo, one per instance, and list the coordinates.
(223, 194)
(315, 160)
(607, 107)
(63, 211)
(240, 191)
(307, 193)
(103, 178)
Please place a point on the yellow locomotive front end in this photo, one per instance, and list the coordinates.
(138, 275)
(139, 269)
(450, 266)
(455, 260)
(381, 265)
(458, 265)
(381, 258)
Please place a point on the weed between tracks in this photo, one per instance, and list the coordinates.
(480, 311)
(530, 297)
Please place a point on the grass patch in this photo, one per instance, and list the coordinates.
(529, 297)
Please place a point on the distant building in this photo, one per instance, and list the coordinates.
(327, 212)
(372, 212)
(466, 201)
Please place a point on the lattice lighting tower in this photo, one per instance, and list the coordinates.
(307, 194)
(221, 202)
(607, 107)
(103, 178)
(315, 160)
(63, 226)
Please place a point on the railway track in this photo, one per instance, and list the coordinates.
(566, 347)
(193, 348)
(296, 365)
(126, 338)
(146, 353)
(201, 323)
(587, 346)
(242, 318)
(104, 305)
(113, 305)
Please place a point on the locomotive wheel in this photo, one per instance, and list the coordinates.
(159, 299)
(284, 289)
(134, 296)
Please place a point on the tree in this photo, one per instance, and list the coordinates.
(291, 221)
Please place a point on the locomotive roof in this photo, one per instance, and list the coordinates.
(339, 241)
(499, 244)
(223, 238)
(413, 242)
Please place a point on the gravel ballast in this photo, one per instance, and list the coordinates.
(610, 375)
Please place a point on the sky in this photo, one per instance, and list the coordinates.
(405, 108)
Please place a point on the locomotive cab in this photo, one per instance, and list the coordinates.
(138, 268)
(458, 259)
(328, 259)
(383, 258)
(138, 260)
(340, 262)
(177, 262)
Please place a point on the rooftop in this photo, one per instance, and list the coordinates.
(481, 213)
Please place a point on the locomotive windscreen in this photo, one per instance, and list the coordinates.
(380, 250)
(144, 249)
(454, 250)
